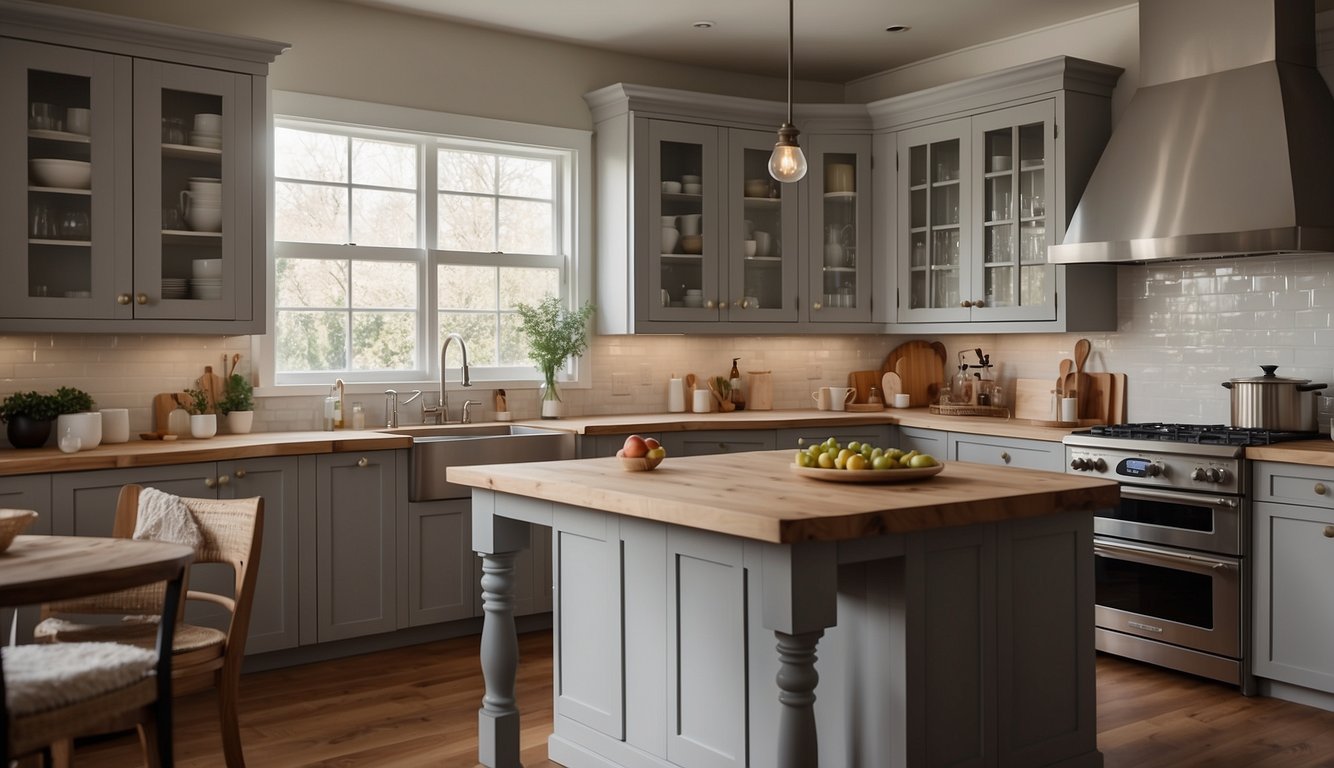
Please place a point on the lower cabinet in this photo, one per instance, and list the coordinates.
(439, 579)
(930, 441)
(985, 449)
(710, 442)
(878, 435)
(25, 492)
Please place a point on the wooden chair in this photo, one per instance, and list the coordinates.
(203, 656)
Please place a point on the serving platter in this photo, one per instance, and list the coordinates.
(867, 475)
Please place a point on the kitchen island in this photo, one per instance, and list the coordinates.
(953, 616)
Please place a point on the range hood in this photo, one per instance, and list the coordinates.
(1227, 148)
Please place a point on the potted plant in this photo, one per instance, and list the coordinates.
(75, 417)
(202, 423)
(554, 335)
(27, 417)
(238, 404)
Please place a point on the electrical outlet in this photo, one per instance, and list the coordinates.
(620, 384)
(645, 374)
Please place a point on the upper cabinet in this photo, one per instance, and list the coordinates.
(134, 184)
(986, 176)
(694, 236)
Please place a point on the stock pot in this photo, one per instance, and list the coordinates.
(1273, 402)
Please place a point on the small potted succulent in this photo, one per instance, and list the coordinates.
(28, 417)
(238, 404)
(202, 423)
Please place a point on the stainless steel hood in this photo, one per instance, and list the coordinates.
(1227, 148)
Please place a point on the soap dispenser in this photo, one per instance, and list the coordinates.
(737, 397)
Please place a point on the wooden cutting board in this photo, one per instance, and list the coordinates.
(163, 404)
(211, 384)
(891, 385)
(1117, 410)
(1033, 399)
(1097, 403)
(863, 382)
(921, 369)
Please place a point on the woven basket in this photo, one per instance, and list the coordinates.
(12, 523)
(994, 411)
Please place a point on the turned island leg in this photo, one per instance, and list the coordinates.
(498, 540)
(797, 678)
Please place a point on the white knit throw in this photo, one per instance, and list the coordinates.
(164, 517)
(43, 677)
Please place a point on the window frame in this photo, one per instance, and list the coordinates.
(572, 207)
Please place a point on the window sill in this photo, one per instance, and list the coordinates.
(378, 388)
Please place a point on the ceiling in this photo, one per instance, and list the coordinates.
(836, 40)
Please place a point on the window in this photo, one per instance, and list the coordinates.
(389, 237)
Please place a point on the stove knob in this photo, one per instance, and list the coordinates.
(1100, 465)
(1197, 474)
(1079, 465)
(1215, 475)
(1154, 470)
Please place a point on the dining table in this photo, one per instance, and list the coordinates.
(42, 569)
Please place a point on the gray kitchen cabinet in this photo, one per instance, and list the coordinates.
(1006, 451)
(354, 535)
(710, 442)
(876, 434)
(439, 573)
(931, 441)
(651, 142)
(25, 492)
(115, 252)
(84, 504)
(1294, 565)
(981, 187)
(594, 446)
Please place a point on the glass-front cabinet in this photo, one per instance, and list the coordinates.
(762, 248)
(838, 238)
(934, 206)
(128, 183)
(685, 250)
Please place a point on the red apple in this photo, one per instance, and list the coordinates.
(635, 447)
(652, 442)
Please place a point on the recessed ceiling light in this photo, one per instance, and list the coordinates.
(897, 28)
(702, 24)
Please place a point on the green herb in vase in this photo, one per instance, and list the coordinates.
(554, 335)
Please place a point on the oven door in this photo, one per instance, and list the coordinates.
(1208, 522)
(1183, 598)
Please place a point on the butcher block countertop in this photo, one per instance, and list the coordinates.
(153, 453)
(757, 496)
(909, 417)
(1315, 453)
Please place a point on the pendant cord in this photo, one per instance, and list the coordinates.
(790, 44)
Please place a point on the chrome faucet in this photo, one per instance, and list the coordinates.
(391, 403)
(467, 381)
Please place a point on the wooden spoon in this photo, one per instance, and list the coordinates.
(1082, 349)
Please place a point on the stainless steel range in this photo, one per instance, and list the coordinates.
(1172, 559)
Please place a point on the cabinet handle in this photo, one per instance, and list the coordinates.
(965, 303)
(210, 482)
(722, 305)
(141, 298)
(123, 299)
(979, 303)
(240, 473)
(224, 479)
(1329, 531)
(363, 462)
(817, 306)
(1320, 489)
(710, 304)
(1005, 457)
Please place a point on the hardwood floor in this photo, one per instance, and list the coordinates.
(418, 707)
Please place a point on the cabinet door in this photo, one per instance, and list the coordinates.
(607, 445)
(838, 244)
(931, 441)
(801, 438)
(440, 566)
(1007, 452)
(761, 246)
(934, 201)
(25, 492)
(192, 214)
(714, 442)
(63, 175)
(1012, 187)
(682, 222)
(355, 507)
(1294, 619)
(273, 614)
(84, 503)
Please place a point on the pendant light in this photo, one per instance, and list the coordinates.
(787, 164)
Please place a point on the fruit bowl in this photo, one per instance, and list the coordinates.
(640, 464)
(12, 523)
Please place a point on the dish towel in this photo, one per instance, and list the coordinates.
(165, 517)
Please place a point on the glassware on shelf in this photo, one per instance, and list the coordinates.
(173, 130)
(74, 225)
(40, 225)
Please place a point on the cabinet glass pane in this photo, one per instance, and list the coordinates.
(192, 195)
(60, 193)
(682, 261)
(763, 248)
(934, 199)
(839, 198)
(1014, 260)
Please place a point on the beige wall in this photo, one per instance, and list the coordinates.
(356, 52)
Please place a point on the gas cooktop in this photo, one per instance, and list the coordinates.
(1199, 434)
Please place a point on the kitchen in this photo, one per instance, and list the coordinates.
(1182, 327)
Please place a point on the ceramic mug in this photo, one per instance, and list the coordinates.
(839, 397)
(763, 241)
(689, 224)
(821, 398)
(77, 120)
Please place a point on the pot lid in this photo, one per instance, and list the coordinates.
(1269, 378)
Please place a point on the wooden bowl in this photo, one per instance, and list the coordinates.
(692, 244)
(12, 523)
(642, 464)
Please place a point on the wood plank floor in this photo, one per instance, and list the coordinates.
(418, 707)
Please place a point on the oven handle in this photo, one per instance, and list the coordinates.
(1205, 565)
(1193, 499)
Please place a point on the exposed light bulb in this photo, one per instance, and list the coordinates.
(787, 164)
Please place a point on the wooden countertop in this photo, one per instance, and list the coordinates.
(908, 417)
(756, 496)
(1315, 453)
(152, 453)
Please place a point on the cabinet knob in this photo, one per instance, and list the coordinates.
(1329, 531)
(210, 482)
(141, 298)
(817, 306)
(979, 303)
(710, 304)
(240, 473)
(965, 303)
(1320, 489)
(123, 299)
(801, 441)
(1005, 457)
(224, 479)
(363, 462)
(722, 305)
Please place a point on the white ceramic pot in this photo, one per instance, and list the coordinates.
(669, 238)
(115, 425)
(85, 426)
(203, 425)
(240, 422)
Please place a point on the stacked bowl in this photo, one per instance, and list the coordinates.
(202, 204)
(206, 279)
(207, 131)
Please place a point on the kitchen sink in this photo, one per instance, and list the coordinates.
(434, 449)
